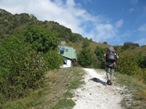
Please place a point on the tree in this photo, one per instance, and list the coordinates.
(41, 39)
(44, 41)
(99, 52)
(130, 45)
(20, 68)
(142, 61)
(53, 59)
(105, 42)
(85, 43)
(85, 57)
(127, 64)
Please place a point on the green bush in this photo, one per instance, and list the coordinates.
(53, 59)
(142, 61)
(20, 68)
(41, 39)
(85, 58)
(127, 64)
(133, 65)
(144, 76)
(130, 45)
(99, 52)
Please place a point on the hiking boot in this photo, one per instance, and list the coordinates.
(109, 82)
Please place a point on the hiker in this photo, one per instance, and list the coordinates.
(110, 64)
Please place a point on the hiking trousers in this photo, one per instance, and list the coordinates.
(110, 73)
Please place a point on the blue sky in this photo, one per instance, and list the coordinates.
(111, 21)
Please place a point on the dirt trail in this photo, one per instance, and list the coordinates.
(95, 94)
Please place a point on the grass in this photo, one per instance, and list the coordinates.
(56, 93)
(26, 102)
(64, 104)
(134, 87)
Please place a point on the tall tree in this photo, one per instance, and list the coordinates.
(85, 57)
(99, 52)
(41, 39)
(44, 41)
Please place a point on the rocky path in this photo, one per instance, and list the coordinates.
(95, 94)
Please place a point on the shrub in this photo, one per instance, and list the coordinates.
(41, 39)
(85, 57)
(20, 68)
(53, 59)
(127, 64)
(130, 45)
(99, 52)
(144, 76)
(142, 61)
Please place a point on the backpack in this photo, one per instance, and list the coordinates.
(110, 55)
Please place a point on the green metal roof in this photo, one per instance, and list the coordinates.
(68, 52)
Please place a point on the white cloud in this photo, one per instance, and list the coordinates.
(141, 41)
(142, 28)
(119, 23)
(70, 3)
(105, 31)
(67, 13)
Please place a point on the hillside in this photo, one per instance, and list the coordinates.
(16, 24)
(10, 24)
(30, 63)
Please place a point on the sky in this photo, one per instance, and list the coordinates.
(111, 21)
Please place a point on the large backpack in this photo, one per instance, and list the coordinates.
(110, 55)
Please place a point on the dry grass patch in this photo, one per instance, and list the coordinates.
(135, 88)
(60, 86)
(55, 94)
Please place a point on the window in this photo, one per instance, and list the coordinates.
(62, 50)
